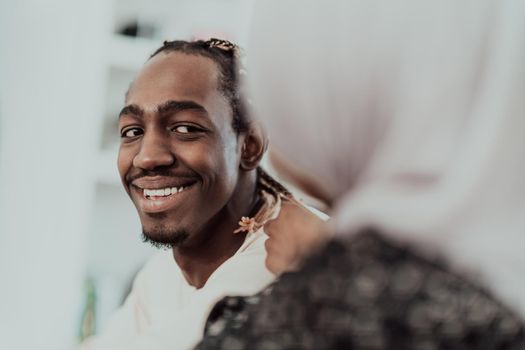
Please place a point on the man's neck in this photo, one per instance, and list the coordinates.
(199, 261)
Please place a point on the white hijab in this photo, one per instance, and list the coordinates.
(412, 114)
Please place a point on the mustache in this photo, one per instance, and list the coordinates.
(163, 172)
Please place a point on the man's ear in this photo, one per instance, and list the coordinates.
(253, 147)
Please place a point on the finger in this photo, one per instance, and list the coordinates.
(275, 247)
(271, 226)
(277, 265)
(276, 250)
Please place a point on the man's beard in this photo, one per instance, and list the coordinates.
(161, 237)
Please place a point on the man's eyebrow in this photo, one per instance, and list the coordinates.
(170, 106)
(177, 106)
(132, 109)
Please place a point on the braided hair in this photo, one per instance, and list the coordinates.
(227, 57)
(270, 185)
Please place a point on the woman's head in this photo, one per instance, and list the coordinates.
(383, 96)
(410, 116)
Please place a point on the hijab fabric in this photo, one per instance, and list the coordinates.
(411, 114)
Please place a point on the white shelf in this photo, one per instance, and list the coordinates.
(130, 53)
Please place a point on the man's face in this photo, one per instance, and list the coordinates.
(179, 157)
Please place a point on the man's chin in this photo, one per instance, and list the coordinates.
(161, 237)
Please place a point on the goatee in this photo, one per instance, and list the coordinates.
(162, 238)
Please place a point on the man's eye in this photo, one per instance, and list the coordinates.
(185, 129)
(132, 132)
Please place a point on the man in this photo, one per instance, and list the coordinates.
(189, 159)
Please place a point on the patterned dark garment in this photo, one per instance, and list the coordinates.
(365, 293)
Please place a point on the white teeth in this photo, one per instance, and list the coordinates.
(162, 192)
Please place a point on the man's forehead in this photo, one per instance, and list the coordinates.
(175, 72)
(190, 68)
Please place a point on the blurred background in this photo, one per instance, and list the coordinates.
(69, 236)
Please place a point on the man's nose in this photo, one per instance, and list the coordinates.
(155, 151)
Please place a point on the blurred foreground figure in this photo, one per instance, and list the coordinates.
(410, 116)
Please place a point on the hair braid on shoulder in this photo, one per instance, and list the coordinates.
(272, 185)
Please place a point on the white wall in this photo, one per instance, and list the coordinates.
(49, 87)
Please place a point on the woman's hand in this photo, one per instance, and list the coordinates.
(292, 236)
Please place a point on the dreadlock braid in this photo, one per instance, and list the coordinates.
(271, 185)
(273, 194)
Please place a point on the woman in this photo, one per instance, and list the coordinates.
(410, 118)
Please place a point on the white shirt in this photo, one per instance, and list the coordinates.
(163, 311)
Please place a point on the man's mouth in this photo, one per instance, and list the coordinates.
(163, 192)
(156, 195)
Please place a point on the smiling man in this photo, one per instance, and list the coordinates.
(188, 155)
(188, 159)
